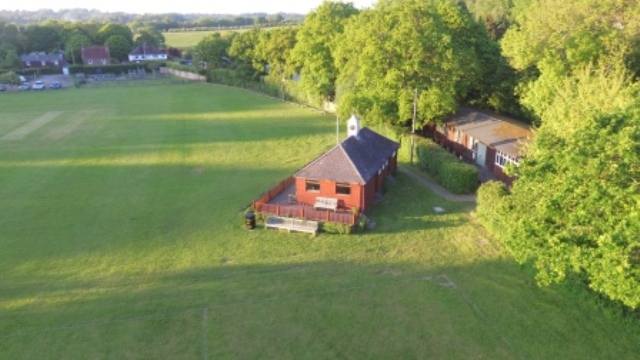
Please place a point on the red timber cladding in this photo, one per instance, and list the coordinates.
(328, 189)
(500, 175)
(490, 160)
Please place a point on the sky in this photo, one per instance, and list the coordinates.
(181, 6)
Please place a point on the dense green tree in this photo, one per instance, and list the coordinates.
(73, 47)
(112, 29)
(243, 50)
(9, 78)
(312, 54)
(553, 37)
(12, 36)
(151, 36)
(44, 38)
(388, 52)
(119, 47)
(575, 208)
(9, 59)
(274, 49)
(213, 50)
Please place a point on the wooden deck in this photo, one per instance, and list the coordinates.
(280, 201)
(290, 224)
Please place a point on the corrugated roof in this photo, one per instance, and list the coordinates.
(502, 133)
(356, 160)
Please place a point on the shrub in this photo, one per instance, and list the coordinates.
(458, 177)
(493, 208)
(361, 223)
(451, 173)
(107, 69)
(336, 228)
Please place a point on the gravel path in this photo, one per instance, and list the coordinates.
(439, 190)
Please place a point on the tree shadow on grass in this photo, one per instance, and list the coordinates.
(486, 309)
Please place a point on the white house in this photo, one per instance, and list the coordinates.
(146, 52)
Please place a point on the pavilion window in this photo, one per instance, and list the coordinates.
(503, 159)
(312, 185)
(343, 189)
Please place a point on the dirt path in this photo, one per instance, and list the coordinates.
(32, 126)
(439, 190)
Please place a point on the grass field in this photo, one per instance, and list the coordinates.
(188, 39)
(121, 237)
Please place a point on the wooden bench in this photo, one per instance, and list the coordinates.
(290, 224)
(326, 203)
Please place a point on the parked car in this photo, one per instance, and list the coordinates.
(55, 85)
(24, 87)
(3, 87)
(38, 85)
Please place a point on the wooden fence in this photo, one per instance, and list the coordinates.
(300, 211)
(267, 196)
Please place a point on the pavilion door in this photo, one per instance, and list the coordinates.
(481, 153)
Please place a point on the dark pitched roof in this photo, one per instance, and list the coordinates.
(502, 133)
(95, 52)
(42, 57)
(146, 49)
(356, 160)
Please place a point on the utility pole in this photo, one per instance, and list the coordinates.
(413, 123)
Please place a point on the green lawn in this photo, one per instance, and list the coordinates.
(121, 237)
(187, 39)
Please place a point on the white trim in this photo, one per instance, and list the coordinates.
(503, 159)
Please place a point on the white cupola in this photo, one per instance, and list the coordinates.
(353, 126)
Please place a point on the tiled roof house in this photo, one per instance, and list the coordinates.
(96, 55)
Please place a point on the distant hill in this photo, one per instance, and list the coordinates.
(161, 21)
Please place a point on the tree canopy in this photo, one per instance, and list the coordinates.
(552, 38)
(386, 53)
(119, 47)
(575, 208)
(112, 29)
(313, 54)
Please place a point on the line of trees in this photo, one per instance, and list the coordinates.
(371, 62)
(161, 22)
(574, 211)
(69, 38)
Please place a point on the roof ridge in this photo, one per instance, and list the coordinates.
(351, 162)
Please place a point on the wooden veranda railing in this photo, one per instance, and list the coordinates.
(301, 211)
(282, 185)
(307, 212)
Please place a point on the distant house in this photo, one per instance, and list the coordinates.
(146, 52)
(41, 60)
(96, 55)
(488, 140)
(352, 172)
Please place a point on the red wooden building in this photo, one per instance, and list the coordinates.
(488, 140)
(352, 172)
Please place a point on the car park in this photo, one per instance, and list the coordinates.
(38, 85)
